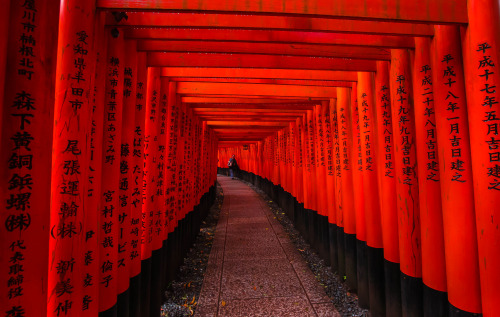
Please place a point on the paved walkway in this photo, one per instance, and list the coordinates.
(254, 269)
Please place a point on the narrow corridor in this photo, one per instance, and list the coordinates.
(254, 269)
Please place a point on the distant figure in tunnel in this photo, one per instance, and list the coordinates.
(233, 165)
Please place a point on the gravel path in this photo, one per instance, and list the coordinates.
(181, 297)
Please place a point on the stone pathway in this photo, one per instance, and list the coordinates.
(254, 269)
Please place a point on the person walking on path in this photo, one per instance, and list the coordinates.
(233, 165)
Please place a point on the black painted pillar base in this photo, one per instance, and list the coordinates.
(170, 273)
(145, 287)
(351, 260)
(164, 266)
(362, 265)
(324, 240)
(156, 293)
(306, 219)
(135, 295)
(123, 304)
(334, 257)
(341, 247)
(312, 228)
(392, 276)
(411, 296)
(112, 312)
(376, 281)
(299, 220)
(435, 302)
(290, 206)
(456, 312)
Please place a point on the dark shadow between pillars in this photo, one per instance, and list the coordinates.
(334, 258)
(135, 295)
(123, 304)
(376, 281)
(435, 302)
(411, 296)
(362, 265)
(351, 260)
(392, 277)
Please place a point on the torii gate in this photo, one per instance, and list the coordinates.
(344, 97)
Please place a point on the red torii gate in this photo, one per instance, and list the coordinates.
(264, 73)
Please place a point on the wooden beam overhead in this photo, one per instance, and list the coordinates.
(249, 119)
(435, 11)
(257, 89)
(313, 50)
(275, 22)
(332, 83)
(248, 113)
(246, 125)
(258, 73)
(207, 100)
(258, 98)
(263, 130)
(263, 109)
(257, 61)
(256, 128)
(266, 36)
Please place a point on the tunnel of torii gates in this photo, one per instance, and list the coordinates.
(374, 124)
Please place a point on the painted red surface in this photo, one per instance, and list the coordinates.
(381, 115)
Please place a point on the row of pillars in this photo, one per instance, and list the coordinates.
(406, 162)
(101, 167)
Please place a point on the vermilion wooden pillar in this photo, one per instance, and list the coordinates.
(305, 173)
(406, 183)
(331, 190)
(292, 158)
(26, 106)
(347, 215)
(180, 177)
(188, 158)
(375, 254)
(150, 202)
(311, 179)
(319, 155)
(159, 252)
(260, 147)
(299, 170)
(281, 154)
(289, 164)
(276, 159)
(299, 163)
(482, 51)
(359, 202)
(91, 208)
(110, 199)
(170, 177)
(4, 29)
(320, 115)
(456, 172)
(74, 86)
(286, 173)
(339, 209)
(137, 185)
(270, 157)
(126, 177)
(387, 188)
(431, 217)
